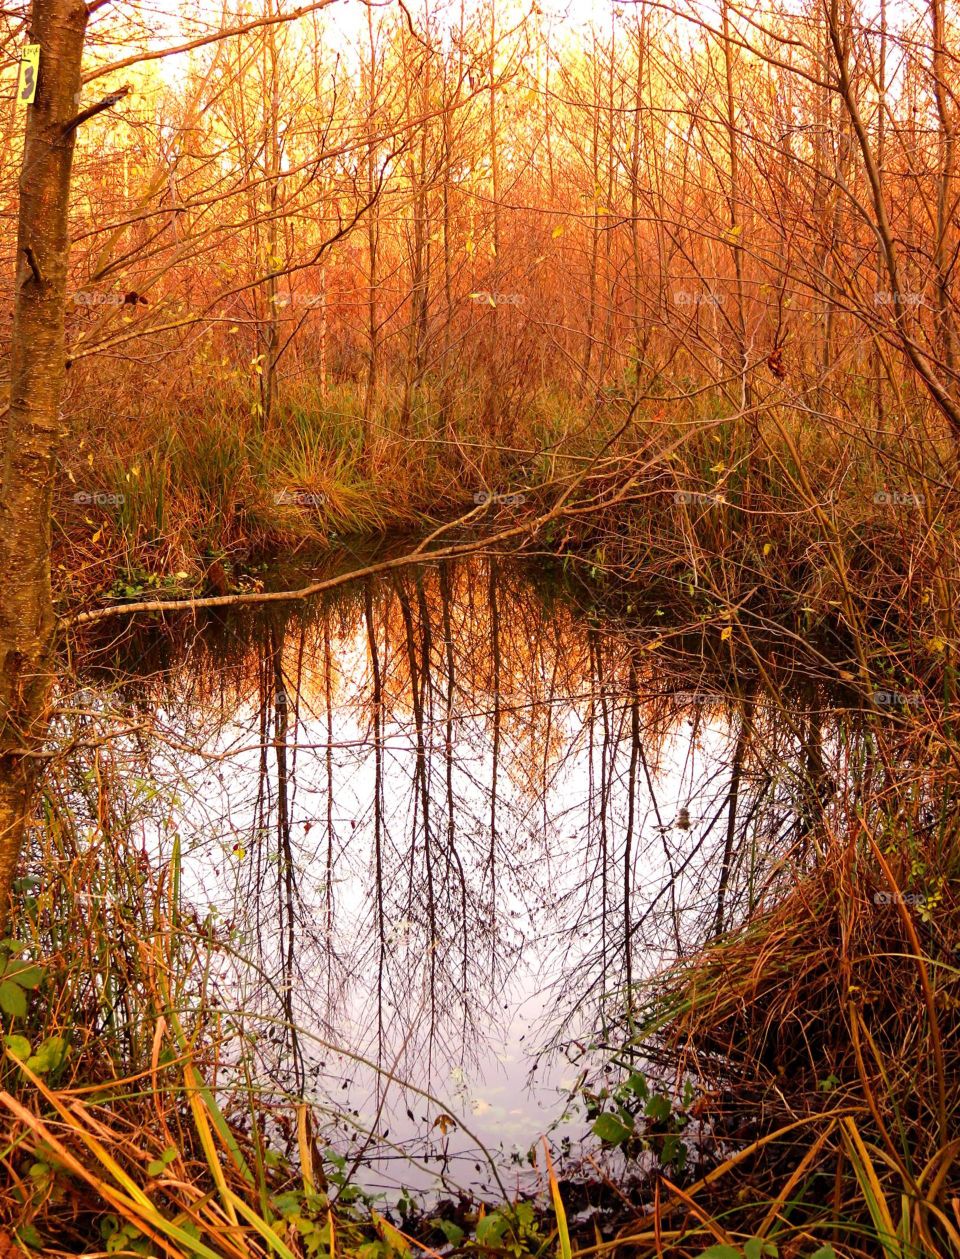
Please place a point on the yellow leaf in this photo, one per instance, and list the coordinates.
(767, 548)
(718, 467)
(726, 633)
(97, 536)
(392, 1236)
(557, 231)
(469, 246)
(937, 644)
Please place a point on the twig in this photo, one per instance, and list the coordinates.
(33, 264)
(92, 110)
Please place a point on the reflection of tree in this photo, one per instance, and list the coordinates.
(377, 703)
(448, 782)
(736, 772)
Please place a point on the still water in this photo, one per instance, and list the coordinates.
(439, 823)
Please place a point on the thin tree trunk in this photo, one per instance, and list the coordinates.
(943, 254)
(270, 331)
(33, 430)
(733, 204)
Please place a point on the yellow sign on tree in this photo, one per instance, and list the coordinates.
(29, 68)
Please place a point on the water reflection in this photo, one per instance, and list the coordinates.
(439, 824)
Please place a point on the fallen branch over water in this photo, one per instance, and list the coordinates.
(420, 555)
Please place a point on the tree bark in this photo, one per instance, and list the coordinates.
(32, 432)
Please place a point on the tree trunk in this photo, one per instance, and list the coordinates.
(31, 435)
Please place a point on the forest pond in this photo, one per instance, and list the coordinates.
(438, 820)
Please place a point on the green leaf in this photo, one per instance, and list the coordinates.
(24, 974)
(525, 1214)
(659, 1108)
(288, 1203)
(675, 1153)
(19, 1046)
(611, 1129)
(371, 1250)
(721, 1251)
(825, 1252)
(13, 1000)
(50, 1053)
(452, 1232)
(491, 1228)
(108, 1226)
(757, 1248)
(157, 1165)
(29, 1236)
(636, 1082)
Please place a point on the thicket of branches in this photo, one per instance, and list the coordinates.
(465, 209)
